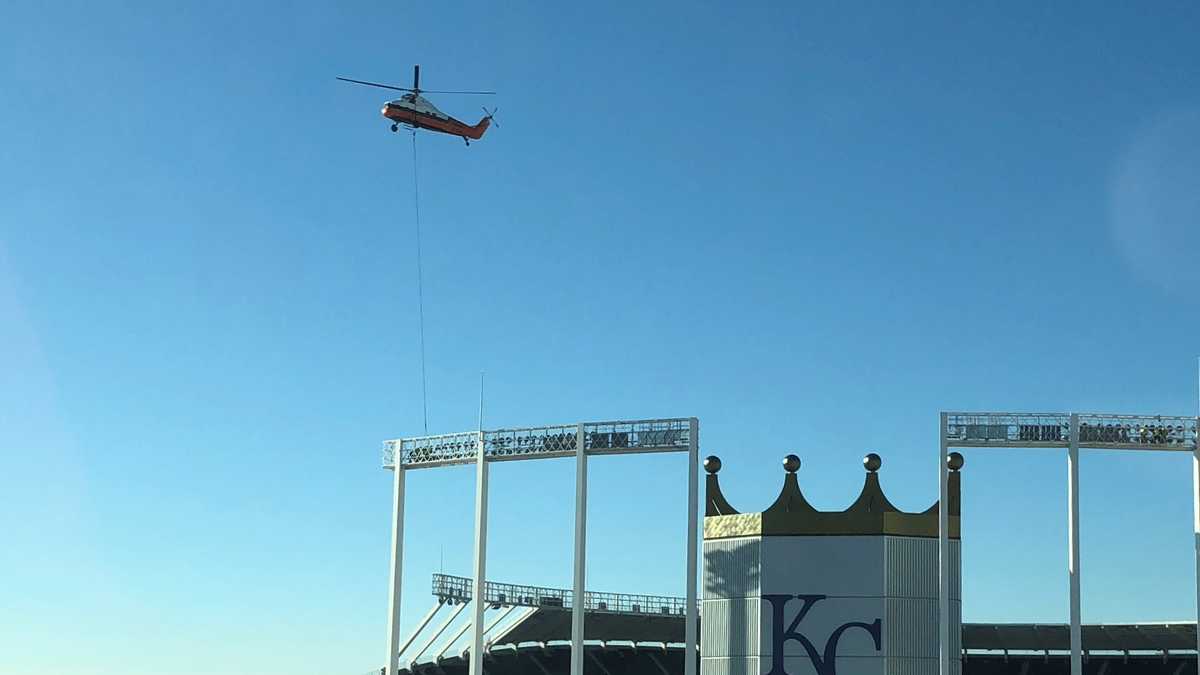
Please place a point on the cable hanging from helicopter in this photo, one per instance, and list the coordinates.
(414, 112)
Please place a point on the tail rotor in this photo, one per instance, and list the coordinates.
(490, 115)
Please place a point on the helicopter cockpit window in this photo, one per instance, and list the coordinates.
(421, 104)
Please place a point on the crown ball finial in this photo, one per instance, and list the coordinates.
(872, 462)
(955, 461)
(791, 464)
(712, 464)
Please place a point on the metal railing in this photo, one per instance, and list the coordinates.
(1096, 430)
(453, 589)
(660, 435)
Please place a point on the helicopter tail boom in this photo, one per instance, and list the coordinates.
(476, 132)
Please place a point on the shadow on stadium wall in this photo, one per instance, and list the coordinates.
(731, 574)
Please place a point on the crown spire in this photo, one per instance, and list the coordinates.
(871, 513)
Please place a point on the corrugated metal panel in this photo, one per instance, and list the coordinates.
(730, 628)
(910, 628)
(729, 666)
(912, 666)
(955, 570)
(955, 633)
(912, 568)
(732, 568)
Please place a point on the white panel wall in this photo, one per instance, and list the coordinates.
(864, 578)
(912, 564)
(846, 665)
(732, 568)
(730, 627)
(894, 666)
(833, 566)
(910, 630)
(730, 666)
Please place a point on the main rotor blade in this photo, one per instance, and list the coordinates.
(374, 84)
(431, 91)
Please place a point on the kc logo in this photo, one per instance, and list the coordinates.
(825, 661)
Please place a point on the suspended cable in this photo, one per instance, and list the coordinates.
(420, 288)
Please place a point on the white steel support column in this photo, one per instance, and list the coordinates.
(397, 564)
(477, 583)
(577, 602)
(1196, 516)
(1196, 528)
(943, 550)
(690, 653)
(1073, 545)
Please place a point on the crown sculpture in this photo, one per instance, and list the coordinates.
(797, 591)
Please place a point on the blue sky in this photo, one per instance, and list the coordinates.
(813, 227)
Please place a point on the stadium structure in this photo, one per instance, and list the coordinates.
(789, 590)
(635, 635)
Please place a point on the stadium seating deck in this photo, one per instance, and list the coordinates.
(624, 644)
(643, 635)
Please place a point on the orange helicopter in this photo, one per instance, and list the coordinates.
(416, 112)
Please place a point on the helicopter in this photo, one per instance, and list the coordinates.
(414, 111)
